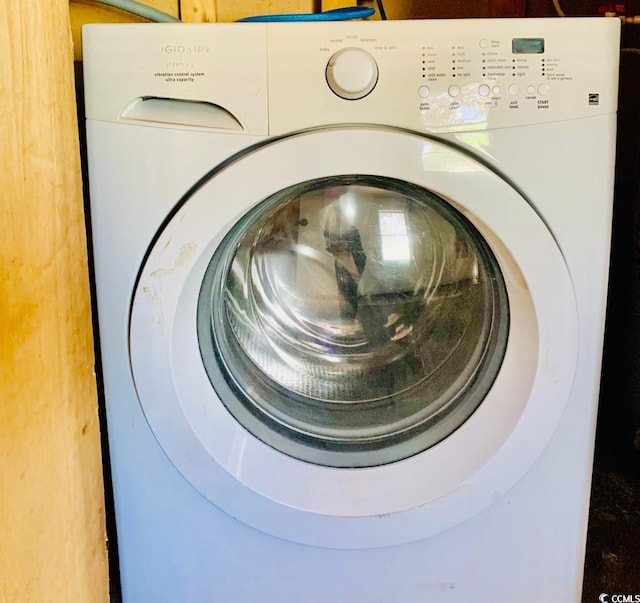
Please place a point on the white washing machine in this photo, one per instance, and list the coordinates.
(351, 285)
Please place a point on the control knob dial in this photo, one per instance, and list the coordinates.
(352, 73)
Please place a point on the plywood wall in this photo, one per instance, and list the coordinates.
(52, 540)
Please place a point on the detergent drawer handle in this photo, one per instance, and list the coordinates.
(182, 112)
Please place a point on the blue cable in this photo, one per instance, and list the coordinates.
(337, 14)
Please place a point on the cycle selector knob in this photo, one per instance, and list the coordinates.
(352, 73)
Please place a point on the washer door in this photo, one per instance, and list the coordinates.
(353, 321)
(353, 337)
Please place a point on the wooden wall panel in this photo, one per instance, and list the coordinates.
(171, 7)
(52, 540)
(231, 10)
(457, 9)
(199, 11)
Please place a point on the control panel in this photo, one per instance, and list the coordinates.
(428, 76)
(442, 75)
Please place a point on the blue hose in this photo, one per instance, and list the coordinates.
(337, 14)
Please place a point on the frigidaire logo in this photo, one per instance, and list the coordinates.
(180, 49)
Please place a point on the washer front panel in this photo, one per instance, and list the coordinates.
(399, 501)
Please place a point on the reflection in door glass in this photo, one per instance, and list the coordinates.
(356, 320)
(394, 237)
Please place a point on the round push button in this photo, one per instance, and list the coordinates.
(454, 91)
(484, 90)
(496, 89)
(514, 90)
(424, 91)
(543, 89)
(531, 89)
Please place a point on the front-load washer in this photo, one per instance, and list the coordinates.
(351, 284)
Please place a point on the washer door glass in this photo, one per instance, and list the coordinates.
(357, 320)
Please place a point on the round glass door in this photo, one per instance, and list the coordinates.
(356, 320)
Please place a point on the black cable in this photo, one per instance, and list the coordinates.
(383, 15)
